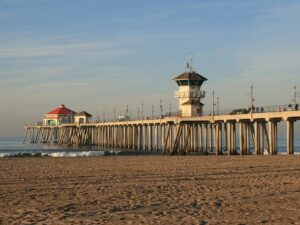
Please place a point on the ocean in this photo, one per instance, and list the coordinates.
(14, 147)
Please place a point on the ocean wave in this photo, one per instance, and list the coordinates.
(76, 154)
(58, 154)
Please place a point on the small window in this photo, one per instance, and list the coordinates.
(184, 82)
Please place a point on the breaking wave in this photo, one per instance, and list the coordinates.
(58, 154)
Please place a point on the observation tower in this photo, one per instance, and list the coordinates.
(189, 94)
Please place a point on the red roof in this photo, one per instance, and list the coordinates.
(62, 110)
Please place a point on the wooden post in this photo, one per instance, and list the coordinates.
(271, 138)
(196, 135)
(275, 138)
(170, 139)
(200, 137)
(162, 138)
(290, 136)
(229, 137)
(145, 137)
(234, 138)
(241, 138)
(150, 138)
(205, 137)
(216, 138)
(156, 137)
(220, 144)
(256, 138)
(248, 138)
(226, 139)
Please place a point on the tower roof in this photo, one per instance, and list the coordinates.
(61, 110)
(191, 75)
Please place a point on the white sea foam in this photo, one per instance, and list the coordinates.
(266, 152)
(4, 155)
(76, 154)
(57, 154)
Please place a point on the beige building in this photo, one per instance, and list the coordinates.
(83, 117)
(189, 94)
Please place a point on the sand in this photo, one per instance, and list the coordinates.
(151, 190)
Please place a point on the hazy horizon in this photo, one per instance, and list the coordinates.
(96, 55)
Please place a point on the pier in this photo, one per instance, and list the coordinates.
(220, 134)
(190, 130)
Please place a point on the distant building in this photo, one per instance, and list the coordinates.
(189, 94)
(83, 117)
(63, 115)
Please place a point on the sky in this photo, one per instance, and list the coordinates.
(95, 55)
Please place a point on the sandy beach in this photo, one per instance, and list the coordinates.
(150, 190)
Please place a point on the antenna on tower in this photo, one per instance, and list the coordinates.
(189, 64)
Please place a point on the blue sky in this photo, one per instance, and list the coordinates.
(93, 55)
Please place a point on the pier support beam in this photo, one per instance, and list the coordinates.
(273, 142)
(241, 137)
(290, 136)
(205, 137)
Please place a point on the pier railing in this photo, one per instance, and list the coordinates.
(236, 111)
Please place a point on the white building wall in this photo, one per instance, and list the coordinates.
(189, 93)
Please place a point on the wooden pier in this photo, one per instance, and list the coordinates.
(222, 134)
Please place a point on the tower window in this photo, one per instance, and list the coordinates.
(184, 82)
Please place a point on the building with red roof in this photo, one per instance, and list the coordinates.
(63, 115)
(58, 116)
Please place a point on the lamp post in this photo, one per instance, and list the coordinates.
(152, 112)
(213, 99)
(295, 95)
(114, 113)
(251, 99)
(161, 108)
(103, 114)
(142, 110)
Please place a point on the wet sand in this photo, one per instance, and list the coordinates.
(150, 190)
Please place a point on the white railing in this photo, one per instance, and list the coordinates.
(189, 94)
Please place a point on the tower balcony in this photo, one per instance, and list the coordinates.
(189, 94)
